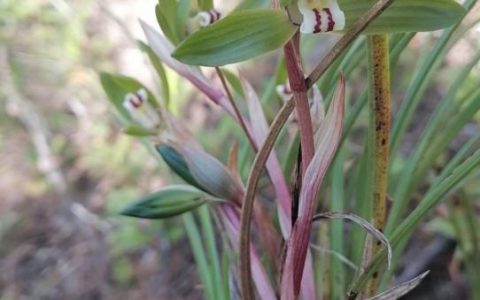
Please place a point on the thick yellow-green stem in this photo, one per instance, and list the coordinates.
(380, 105)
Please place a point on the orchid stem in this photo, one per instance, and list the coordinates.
(239, 116)
(380, 108)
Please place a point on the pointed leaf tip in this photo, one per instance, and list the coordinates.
(165, 203)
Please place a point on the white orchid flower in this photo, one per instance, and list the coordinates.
(321, 16)
(141, 111)
(208, 17)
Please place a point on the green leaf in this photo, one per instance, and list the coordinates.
(166, 11)
(237, 37)
(167, 202)
(117, 86)
(182, 16)
(135, 130)
(205, 4)
(405, 15)
(200, 255)
(251, 4)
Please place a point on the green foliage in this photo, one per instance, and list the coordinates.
(406, 15)
(247, 33)
(237, 37)
(117, 86)
(135, 130)
(205, 4)
(167, 19)
(165, 203)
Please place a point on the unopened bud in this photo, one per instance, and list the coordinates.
(201, 169)
(167, 202)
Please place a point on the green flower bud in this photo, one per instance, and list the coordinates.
(200, 169)
(167, 202)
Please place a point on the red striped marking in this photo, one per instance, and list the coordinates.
(318, 21)
(137, 100)
(217, 14)
(331, 23)
(212, 16)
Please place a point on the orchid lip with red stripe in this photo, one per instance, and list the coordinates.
(136, 100)
(321, 16)
(331, 23)
(208, 17)
(318, 21)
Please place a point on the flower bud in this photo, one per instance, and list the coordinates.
(200, 169)
(167, 202)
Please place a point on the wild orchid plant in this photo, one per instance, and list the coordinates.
(281, 263)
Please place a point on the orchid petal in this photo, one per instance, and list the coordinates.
(321, 16)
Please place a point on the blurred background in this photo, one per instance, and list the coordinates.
(66, 169)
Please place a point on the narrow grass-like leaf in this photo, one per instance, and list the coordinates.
(453, 162)
(200, 255)
(419, 83)
(431, 150)
(405, 15)
(363, 202)
(364, 224)
(135, 130)
(237, 37)
(213, 256)
(337, 255)
(440, 143)
(400, 290)
(337, 203)
(231, 220)
(465, 222)
(165, 203)
(433, 197)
